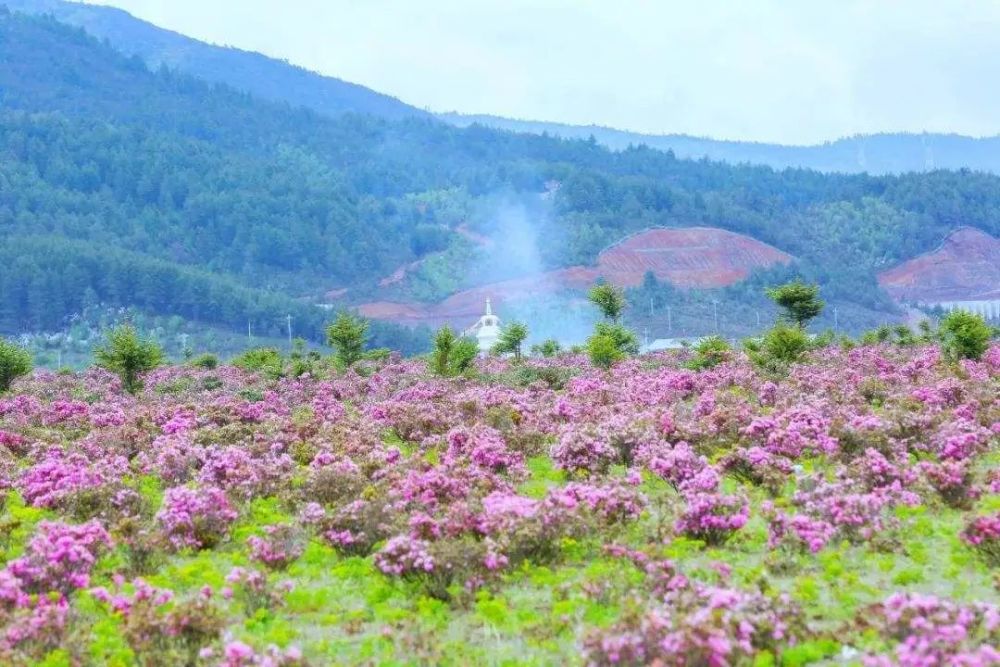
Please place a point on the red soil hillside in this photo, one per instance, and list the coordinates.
(687, 257)
(702, 257)
(965, 267)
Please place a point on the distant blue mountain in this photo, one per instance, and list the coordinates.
(876, 154)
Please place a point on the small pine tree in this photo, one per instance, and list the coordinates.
(347, 335)
(15, 361)
(207, 361)
(444, 342)
(709, 353)
(512, 337)
(780, 346)
(800, 302)
(603, 351)
(610, 300)
(264, 360)
(463, 355)
(549, 347)
(452, 355)
(128, 355)
(964, 335)
(623, 337)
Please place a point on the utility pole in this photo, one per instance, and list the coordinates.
(758, 319)
(249, 335)
(288, 318)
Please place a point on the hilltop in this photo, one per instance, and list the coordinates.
(266, 78)
(965, 267)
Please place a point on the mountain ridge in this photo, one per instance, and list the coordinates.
(879, 153)
(268, 78)
(280, 81)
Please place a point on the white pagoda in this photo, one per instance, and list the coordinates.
(486, 331)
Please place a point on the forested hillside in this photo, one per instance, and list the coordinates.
(161, 172)
(264, 77)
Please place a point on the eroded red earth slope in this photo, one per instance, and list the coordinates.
(965, 267)
(702, 257)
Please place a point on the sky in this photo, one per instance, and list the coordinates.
(792, 71)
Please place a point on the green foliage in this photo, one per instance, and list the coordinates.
(208, 361)
(512, 337)
(800, 302)
(15, 361)
(129, 356)
(623, 337)
(603, 351)
(452, 355)
(881, 334)
(347, 335)
(610, 343)
(547, 348)
(610, 300)
(264, 360)
(778, 347)
(709, 353)
(301, 360)
(964, 335)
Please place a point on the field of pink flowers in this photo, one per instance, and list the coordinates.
(541, 513)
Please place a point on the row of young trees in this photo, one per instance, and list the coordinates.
(961, 334)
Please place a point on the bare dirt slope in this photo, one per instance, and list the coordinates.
(702, 257)
(966, 266)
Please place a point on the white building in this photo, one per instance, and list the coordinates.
(661, 344)
(486, 331)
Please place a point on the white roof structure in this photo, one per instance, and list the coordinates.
(486, 331)
(661, 344)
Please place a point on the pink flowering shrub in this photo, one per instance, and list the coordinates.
(161, 629)
(196, 518)
(837, 511)
(254, 590)
(983, 535)
(712, 517)
(60, 556)
(757, 466)
(279, 546)
(582, 450)
(953, 480)
(73, 481)
(355, 528)
(930, 631)
(677, 464)
(238, 654)
(403, 556)
(697, 626)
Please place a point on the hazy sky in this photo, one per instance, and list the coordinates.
(798, 71)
